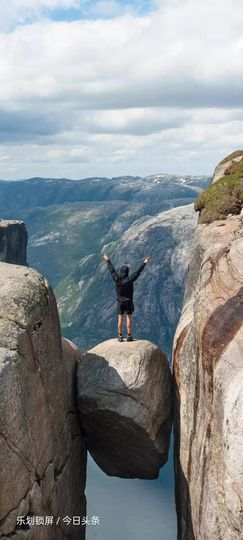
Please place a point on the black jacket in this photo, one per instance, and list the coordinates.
(124, 282)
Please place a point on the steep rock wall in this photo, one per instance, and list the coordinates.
(207, 366)
(13, 242)
(43, 456)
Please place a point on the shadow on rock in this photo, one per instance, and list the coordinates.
(125, 405)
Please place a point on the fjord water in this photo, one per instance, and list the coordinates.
(131, 509)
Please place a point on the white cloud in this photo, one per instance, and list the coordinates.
(131, 90)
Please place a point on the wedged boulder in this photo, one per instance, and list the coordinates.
(125, 404)
(43, 455)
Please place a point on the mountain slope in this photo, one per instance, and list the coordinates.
(86, 297)
(125, 213)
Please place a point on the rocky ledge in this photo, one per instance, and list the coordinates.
(125, 404)
(13, 242)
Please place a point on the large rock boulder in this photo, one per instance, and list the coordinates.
(125, 404)
(207, 363)
(13, 242)
(43, 456)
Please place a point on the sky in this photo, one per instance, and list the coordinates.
(110, 87)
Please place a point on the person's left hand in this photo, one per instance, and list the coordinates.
(105, 257)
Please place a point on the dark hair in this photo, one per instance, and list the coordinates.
(124, 271)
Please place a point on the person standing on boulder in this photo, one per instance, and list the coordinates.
(124, 294)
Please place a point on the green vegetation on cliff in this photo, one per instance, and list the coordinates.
(225, 196)
(234, 155)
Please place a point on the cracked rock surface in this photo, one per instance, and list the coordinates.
(43, 456)
(207, 363)
(125, 403)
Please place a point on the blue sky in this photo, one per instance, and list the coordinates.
(102, 9)
(21, 12)
(106, 88)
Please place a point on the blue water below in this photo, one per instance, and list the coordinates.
(131, 509)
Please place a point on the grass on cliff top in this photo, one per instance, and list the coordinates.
(223, 197)
(235, 154)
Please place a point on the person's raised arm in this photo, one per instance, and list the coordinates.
(113, 272)
(135, 275)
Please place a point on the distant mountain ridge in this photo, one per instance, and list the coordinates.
(16, 195)
(70, 223)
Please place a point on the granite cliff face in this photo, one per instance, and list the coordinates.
(207, 367)
(13, 242)
(43, 456)
(125, 405)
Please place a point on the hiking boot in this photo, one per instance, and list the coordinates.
(130, 338)
(120, 338)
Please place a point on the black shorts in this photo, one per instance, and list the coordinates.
(125, 307)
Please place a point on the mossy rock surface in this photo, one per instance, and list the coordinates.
(225, 196)
(234, 155)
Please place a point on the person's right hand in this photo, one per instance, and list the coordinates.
(146, 260)
(105, 257)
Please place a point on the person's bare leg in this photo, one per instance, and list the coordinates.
(129, 324)
(120, 324)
